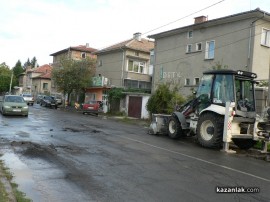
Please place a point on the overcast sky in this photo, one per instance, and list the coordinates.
(38, 28)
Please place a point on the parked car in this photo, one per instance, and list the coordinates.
(29, 99)
(39, 97)
(91, 107)
(48, 101)
(57, 99)
(13, 105)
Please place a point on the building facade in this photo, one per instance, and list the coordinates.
(239, 41)
(127, 65)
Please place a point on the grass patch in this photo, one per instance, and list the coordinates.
(259, 145)
(3, 193)
(20, 196)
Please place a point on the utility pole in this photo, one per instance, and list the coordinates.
(10, 83)
(268, 96)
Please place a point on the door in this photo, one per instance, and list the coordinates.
(135, 107)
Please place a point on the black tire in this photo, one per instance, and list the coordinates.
(244, 144)
(210, 130)
(174, 128)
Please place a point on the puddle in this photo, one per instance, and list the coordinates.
(22, 175)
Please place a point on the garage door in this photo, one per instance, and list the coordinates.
(135, 106)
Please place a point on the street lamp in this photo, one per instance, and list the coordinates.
(10, 83)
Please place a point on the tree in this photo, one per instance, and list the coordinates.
(27, 63)
(164, 100)
(5, 77)
(219, 65)
(17, 70)
(73, 75)
(34, 62)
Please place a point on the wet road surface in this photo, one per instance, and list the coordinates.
(64, 156)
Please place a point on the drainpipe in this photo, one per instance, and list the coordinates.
(123, 65)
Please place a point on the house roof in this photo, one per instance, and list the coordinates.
(44, 76)
(257, 13)
(82, 48)
(144, 45)
(42, 69)
(44, 72)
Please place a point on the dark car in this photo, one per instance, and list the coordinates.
(91, 107)
(48, 101)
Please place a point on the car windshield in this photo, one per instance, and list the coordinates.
(17, 99)
(91, 102)
(27, 95)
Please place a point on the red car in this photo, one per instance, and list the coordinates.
(91, 107)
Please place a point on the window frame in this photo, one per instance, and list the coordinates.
(265, 37)
(189, 48)
(190, 34)
(45, 86)
(196, 81)
(137, 66)
(210, 54)
(197, 49)
(83, 55)
(187, 81)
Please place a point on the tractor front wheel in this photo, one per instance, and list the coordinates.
(174, 128)
(210, 130)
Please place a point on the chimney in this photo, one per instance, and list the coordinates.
(87, 45)
(137, 36)
(200, 19)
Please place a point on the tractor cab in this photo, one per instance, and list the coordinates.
(220, 86)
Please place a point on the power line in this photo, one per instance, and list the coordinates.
(193, 54)
(183, 17)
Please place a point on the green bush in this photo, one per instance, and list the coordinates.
(164, 100)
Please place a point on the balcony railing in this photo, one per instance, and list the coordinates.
(99, 81)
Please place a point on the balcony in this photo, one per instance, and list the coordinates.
(100, 81)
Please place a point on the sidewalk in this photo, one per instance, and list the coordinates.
(124, 119)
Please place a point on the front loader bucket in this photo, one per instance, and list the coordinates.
(159, 124)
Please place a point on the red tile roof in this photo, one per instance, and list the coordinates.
(144, 45)
(44, 70)
(82, 48)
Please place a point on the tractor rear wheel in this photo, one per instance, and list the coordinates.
(174, 128)
(210, 130)
(244, 143)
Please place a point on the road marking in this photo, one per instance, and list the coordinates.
(198, 159)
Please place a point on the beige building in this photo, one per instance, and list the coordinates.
(74, 52)
(239, 41)
(36, 80)
(127, 65)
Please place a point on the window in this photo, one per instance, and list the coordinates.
(190, 34)
(152, 57)
(100, 63)
(187, 82)
(196, 81)
(128, 83)
(223, 89)
(265, 38)
(136, 66)
(210, 50)
(136, 53)
(83, 55)
(45, 86)
(198, 46)
(189, 48)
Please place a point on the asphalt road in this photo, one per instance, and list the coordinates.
(62, 156)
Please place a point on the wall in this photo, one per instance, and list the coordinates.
(261, 54)
(174, 65)
(111, 67)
